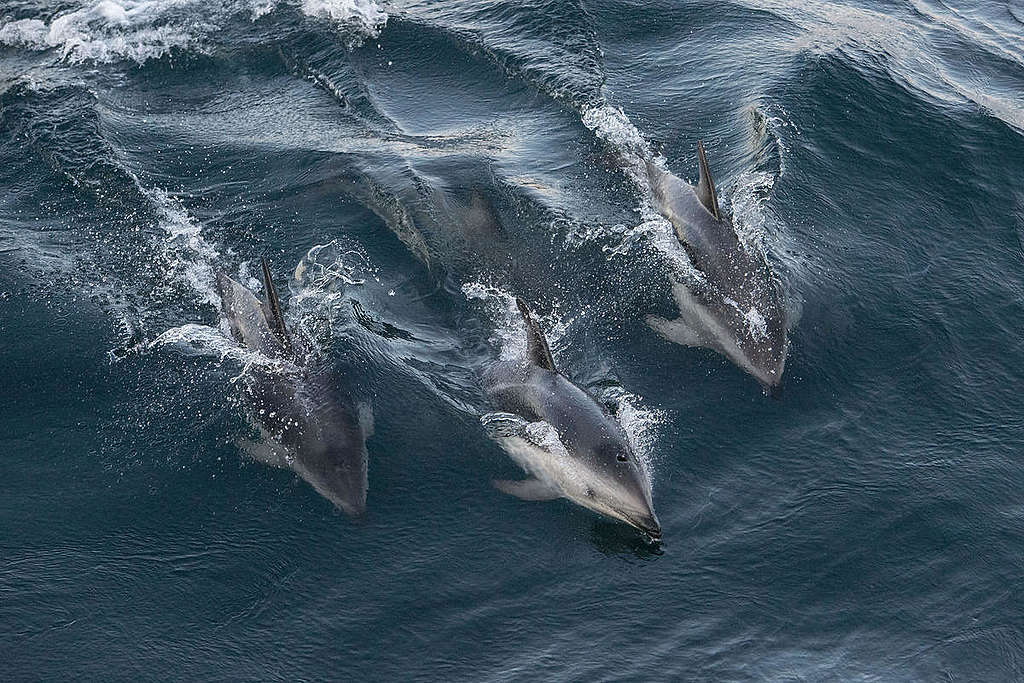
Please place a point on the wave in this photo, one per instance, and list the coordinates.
(550, 44)
(142, 30)
(140, 249)
(868, 37)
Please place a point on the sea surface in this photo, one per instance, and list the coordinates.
(426, 162)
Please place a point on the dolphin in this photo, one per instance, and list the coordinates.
(309, 423)
(566, 440)
(736, 309)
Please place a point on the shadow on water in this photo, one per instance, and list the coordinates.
(612, 538)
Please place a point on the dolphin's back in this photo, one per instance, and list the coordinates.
(707, 239)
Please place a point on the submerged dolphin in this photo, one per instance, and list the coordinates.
(738, 309)
(564, 438)
(309, 423)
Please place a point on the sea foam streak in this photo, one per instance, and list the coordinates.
(190, 257)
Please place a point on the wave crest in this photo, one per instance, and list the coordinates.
(141, 30)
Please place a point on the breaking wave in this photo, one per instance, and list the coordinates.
(141, 30)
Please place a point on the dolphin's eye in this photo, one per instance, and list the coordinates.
(622, 457)
(590, 493)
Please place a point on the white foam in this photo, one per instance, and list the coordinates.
(365, 13)
(106, 31)
(261, 8)
(748, 199)
(24, 33)
(611, 125)
(140, 30)
(756, 324)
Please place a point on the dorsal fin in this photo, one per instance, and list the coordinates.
(705, 185)
(536, 344)
(273, 307)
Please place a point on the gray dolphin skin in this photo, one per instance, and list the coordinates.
(309, 423)
(565, 439)
(738, 309)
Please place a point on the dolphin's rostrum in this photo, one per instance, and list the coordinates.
(565, 439)
(309, 423)
(737, 307)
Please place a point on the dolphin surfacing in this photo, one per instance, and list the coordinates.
(309, 423)
(564, 438)
(738, 310)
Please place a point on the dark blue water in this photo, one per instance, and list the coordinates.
(428, 160)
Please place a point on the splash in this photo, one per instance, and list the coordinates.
(319, 282)
(509, 332)
(611, 125)
(328, 267)
(640, 423)
(190, 258)
(540, 433)
(319, 285)
(211, 342)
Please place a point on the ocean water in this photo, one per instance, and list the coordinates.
(426, 161)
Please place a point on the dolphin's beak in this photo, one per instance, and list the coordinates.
(773, 390)
(355, 508)
(648, 524)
